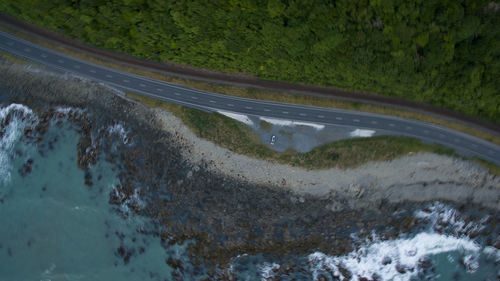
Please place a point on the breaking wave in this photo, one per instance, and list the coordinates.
(447, 233)
(398, 259)
(14, 119)
(119, 130)
(407, 257)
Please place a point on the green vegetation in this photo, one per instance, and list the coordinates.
(269, 95)
(441, 52)
(266, 125)
(239, 138)
(493, 168)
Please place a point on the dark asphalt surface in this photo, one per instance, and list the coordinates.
(462, 143)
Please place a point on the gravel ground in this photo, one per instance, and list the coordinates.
(417, 177)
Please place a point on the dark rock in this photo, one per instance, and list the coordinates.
(424, 262)
(175, 264)
(322, 277)
(386, 260)
(88, 177)
(400, 268)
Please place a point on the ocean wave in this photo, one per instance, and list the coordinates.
(398, 259)
(119, 130)
(125, 201)
(404, 258)
(267, 270)
(445, 219)
(69, 110)
(13, 120)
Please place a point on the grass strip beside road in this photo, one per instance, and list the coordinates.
(239, 138)
(260, 94)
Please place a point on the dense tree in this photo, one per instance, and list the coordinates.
(444, 52)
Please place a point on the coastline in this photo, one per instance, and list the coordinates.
(419, 177)
(416, 178)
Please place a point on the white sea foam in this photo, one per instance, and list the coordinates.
(284, 122)
(133, 201)
(267, 270)
(443, 218)
(492, 253)
(13, 119)
(362, 133)
(238, 117)
(67, 110)
(399, 259)
(120, 131)
(393, 259)
(50, 269)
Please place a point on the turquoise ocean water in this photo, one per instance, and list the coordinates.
(56, 227)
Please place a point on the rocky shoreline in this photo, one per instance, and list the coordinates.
(231, 204)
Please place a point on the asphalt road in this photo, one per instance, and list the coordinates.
(462, 143)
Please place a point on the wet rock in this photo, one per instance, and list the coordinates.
(424, 263)
(26, 168)
(177, 276)
(345, 272)
(88, 177)
(322, 277)
(175, 264)
(124, 254)
(400, 268)
(386, 260)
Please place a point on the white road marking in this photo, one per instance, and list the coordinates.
(159, 90)
(355, 120)
(212, 101)
(193, 97)
(142, 85)
(92, 71)
(230, 104)
(60, 61)
(392, 125)
(239, 117)
(177, 94)
(284, 112)
(266, 110)
(125, 80)
(362, 133)
(408, 128)
(248, 107)
(109, 76)
(338, 118)
(43, 55)
(302, 114)
(285, 122)
(321, 116)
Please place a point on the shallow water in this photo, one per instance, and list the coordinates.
(56, 227)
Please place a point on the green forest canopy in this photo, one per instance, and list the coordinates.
(443, 52)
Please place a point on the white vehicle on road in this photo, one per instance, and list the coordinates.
(273, 139)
